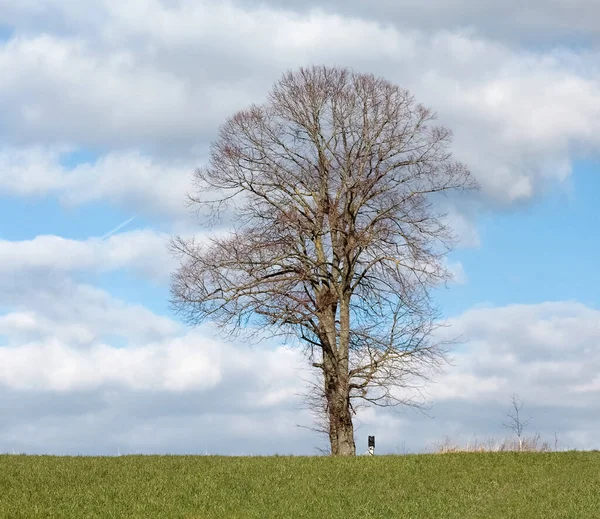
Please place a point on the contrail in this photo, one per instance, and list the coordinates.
(119, 227)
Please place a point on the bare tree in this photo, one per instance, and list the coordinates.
(516, 423)
(336, 239)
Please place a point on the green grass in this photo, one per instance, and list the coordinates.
(489, 485)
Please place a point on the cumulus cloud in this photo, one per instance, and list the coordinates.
(545, 349)
(49, 79)
(130, 179)
(143, 251)
(186, 393)
(193, 390)
(40, 305)
(160, 82)
(58, 368)
(544, 352)
(189, 362)
(92, 373)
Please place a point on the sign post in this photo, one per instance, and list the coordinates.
(371, 445)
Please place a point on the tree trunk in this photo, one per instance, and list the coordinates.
(336, 375)
(341, 428)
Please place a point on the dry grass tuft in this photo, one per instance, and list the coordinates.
(526, 444)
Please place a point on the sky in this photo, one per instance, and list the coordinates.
(107, 107)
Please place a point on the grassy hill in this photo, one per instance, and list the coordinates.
(466, 485)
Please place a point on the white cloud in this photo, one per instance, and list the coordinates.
(95, 97)
(29, 171)
(129, 179)
(225, 392)
(53, 306)
(190, 362)
(189, 390)
(53, 366)
(144, 251)
(545, 352)
(164, 80)
(16, 325)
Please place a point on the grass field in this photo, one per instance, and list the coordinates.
(488, 485)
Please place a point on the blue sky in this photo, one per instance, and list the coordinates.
(543, 251)
(108, 109)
